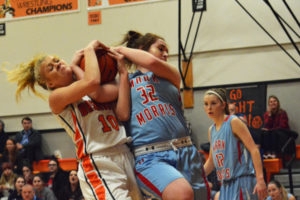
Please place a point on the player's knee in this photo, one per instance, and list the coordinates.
(187, 194)
(178, 190)
(180, 194)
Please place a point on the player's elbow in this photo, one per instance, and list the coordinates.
(92, 84)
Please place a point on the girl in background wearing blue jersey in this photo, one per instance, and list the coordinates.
(168, 165)
(232, 152)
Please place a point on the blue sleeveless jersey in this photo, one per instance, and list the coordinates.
(230, 156)
(156, 110)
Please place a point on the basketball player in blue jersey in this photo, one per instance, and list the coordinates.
(168, 165)
(233, 152)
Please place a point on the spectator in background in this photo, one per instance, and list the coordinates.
(27, 173)
(3, 138)
(72, 190)
(28, 193)
(57, 177)
(275, 119)
(7, 179)
(11, 155)
(233, 111)
(41, 191)
(29, 142)
(276, 191)
(16, 193)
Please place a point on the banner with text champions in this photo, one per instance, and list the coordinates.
(99, 4)
(21, 9)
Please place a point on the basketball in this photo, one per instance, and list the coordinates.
(107, 65)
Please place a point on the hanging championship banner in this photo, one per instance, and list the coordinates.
(99, 4)
(21, 9)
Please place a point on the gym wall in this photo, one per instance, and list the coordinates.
(230, 49)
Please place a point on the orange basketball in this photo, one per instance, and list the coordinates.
(107, 65)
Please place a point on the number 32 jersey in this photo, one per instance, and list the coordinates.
(92, 126)
(156, 110)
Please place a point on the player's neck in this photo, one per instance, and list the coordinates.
(219, 120)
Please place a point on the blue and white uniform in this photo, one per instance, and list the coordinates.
(163, 150)
(233, 163)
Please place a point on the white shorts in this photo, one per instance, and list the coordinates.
(109, 175)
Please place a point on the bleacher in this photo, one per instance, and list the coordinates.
(65, 164)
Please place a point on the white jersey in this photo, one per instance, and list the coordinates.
(92, 126)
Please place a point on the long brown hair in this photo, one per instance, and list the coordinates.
(281, 188)
(136, 40)
(278, 110)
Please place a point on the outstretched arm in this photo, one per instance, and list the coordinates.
(150, 62)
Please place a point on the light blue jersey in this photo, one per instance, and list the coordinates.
(233, 163)
(156, 110)
(157, 117)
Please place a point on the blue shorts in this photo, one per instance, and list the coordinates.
(239, 189)
(155, 171)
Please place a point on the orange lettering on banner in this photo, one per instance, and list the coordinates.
(235, 94)
(94, 17)
(26, 8)
(245, 106)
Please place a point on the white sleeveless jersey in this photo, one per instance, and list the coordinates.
(93, 127)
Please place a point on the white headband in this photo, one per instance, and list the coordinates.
(215, 93)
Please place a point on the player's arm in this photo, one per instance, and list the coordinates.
(63, 96)
(122, 108)
(105, 92)
(148, 61)
(241, 131)
(209, 164)
(75, 63)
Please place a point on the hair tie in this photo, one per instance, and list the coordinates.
(215, 93)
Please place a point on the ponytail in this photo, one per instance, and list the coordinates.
(136, 40)
(27, 75)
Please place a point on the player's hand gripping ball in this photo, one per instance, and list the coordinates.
(107, 65)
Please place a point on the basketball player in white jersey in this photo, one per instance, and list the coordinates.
(105, 163)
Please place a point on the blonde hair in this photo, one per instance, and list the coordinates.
(27, 74)
(280, 187)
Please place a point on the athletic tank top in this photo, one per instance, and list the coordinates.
(156, 110)
(230, 156)
(92, 126)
